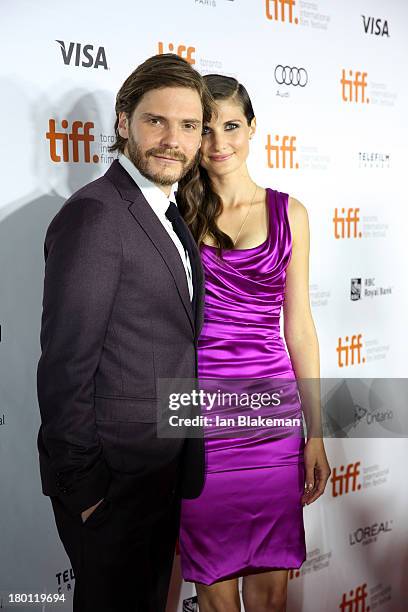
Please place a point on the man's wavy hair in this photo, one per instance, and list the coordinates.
(197, 202)
(166, 70)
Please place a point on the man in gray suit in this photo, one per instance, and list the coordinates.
(122, 309)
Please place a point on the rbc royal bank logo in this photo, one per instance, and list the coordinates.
(281, 10)
(82, 55)
(182, 51)
(75, 143)
(355, 289)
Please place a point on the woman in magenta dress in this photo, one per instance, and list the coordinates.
(248, 520)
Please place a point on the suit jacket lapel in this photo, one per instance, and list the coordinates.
(151, 225)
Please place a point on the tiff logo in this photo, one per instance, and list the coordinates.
(280, 15)
(356, 600)
(85, 52)
(378, 27)
(350, 87)
(80, 133)
(350, 350)
(277, 153)
(345, 482)
(183, 51)
(346, 226)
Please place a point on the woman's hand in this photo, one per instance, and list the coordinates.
(317, 470)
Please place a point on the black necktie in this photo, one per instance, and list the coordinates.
(186, 239)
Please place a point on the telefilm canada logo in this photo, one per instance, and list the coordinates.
(65, 580)
(76, 143)
(373, 159)
(78, 54)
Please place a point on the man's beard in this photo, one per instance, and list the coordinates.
(141, 160)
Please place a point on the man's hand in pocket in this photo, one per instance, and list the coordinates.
(87, 513)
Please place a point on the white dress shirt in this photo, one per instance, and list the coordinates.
(159, 204)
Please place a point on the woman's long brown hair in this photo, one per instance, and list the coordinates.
(199, 204)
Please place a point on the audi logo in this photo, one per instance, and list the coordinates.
(285, 75)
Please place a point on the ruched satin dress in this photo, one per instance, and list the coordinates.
(249, 516)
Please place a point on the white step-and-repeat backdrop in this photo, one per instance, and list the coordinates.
(329, 88)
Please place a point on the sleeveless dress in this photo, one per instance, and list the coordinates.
(249, 516)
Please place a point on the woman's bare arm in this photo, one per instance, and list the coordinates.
(303, 346)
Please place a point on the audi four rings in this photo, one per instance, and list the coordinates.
(285, 75)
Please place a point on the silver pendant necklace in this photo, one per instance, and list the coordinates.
(246, 216)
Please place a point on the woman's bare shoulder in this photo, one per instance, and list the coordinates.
(296, 207)
(298, 216)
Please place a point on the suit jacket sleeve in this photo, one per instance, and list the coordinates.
(83, 262)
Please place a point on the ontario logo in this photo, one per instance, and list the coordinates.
(344, 479)
(281, 10)
(74, 53)
(72, 143)
(190, 604)
(281, 152)
(183, 51)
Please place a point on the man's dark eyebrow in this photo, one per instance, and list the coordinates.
(153, 116)
(196, 121)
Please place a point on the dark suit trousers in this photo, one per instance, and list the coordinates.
(122, 555)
